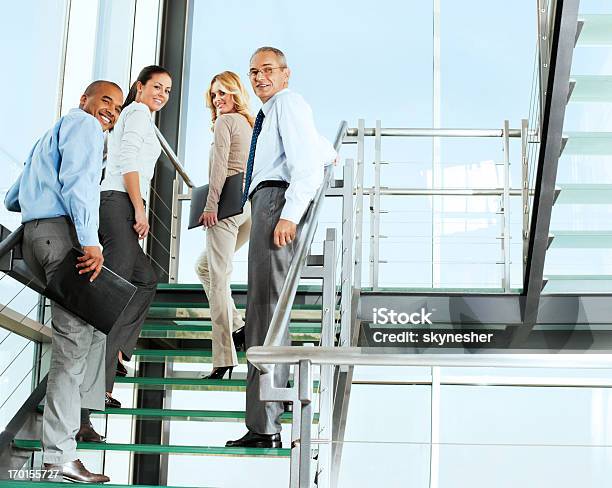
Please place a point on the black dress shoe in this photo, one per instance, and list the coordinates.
(73, 471)
(239, 339)
(87, 434)
(121, 369)
(109, 401)
(251, 439)
(219, 373)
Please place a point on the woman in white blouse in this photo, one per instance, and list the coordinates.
(133, 150)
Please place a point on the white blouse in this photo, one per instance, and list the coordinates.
(132, 146)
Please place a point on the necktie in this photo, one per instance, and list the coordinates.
(251, 160)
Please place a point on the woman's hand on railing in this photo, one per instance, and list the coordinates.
(141, 227)
(208, 219)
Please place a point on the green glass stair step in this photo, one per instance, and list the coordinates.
(234, 287)
(180, 329)
(179, 355)
(199, 384)
(166, 449)
(592, 88)
(582, 239)
(584, 194)
(597, 30)
(578, 283)
(200, 311)
(588, 143)
(188, 415)
(240, 306)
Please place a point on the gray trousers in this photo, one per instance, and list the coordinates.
(123, 255)
(76, 376)
(268, 268)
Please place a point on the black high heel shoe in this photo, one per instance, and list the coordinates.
(219, 373)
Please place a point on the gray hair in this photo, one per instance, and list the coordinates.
(279, 54)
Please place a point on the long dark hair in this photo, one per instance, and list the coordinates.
(145, 75)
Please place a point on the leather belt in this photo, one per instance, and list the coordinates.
(268, 184)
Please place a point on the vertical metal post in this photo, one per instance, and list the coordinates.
(434, 452)
(326, 383)
(359, 203)
(305, 412)
(174, 232)
(525, 189)
(506, 214)
(296, 429)
(543, 52)
(375, 252)
(347, 253)
(371, 214)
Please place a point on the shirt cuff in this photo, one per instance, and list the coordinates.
(87, 237)
(292, 213)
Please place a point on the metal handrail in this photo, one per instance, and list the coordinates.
(353, 356)
(443, 191)
(180, 169)
(14, 238)
(434, 132)
(280, 318)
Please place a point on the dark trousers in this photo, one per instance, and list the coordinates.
(268, 268)
(123, 255)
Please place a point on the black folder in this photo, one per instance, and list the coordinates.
(230, 201)
(100, 302)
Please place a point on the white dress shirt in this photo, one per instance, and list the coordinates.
(132, 146)
(290, 149)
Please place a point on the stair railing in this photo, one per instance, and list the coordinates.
(303, 359)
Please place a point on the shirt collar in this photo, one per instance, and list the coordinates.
(265, 108)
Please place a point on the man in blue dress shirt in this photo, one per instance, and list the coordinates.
(284, 171)
(58, 195)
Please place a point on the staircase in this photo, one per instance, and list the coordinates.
(578, 257)
(194, 417)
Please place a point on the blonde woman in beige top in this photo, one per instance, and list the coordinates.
(228, 101)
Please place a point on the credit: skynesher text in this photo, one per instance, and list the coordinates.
(435, 338)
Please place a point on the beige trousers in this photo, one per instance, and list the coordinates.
(214, 269)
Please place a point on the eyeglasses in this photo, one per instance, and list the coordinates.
(266, 71)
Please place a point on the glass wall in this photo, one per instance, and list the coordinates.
(51, 62)
(415, 69)
(31, 40)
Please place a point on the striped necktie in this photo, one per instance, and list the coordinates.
(251, 160)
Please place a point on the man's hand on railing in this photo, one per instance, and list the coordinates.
(91, 261)
(284, 232)
(208, 219)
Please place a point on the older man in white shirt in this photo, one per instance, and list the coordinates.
(284, 172)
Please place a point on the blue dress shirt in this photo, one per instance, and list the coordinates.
(289, 148)
(62, 175)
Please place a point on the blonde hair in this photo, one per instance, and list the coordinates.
(231, 84)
